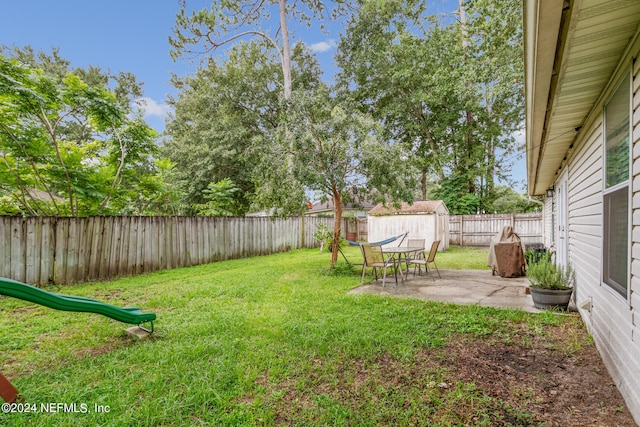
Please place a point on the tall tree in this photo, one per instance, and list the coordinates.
(223, 111)
(228, 21)
(495, 28)
(336, 149)
(124, 85)
(449, 89)
(403, 67)
(44, 169)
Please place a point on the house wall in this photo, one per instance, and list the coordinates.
(430, 227)
(547, 218)
(612, 319)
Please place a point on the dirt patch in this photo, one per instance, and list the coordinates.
(553, 377)
(555, 386)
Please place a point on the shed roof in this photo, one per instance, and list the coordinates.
(356, 199)
(418, 207)
(327, 206)
(43, 195)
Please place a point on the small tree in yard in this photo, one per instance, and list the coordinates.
(335, 148)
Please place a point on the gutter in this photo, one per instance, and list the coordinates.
(531, 199)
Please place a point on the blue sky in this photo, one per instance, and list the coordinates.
(132, 36)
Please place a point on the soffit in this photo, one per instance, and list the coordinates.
(591, 43)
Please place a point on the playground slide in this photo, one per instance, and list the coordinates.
(30, 293)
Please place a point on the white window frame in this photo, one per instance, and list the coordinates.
(619, 289)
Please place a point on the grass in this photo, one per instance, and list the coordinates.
(261, 341)
(456, 257)
(464, 258)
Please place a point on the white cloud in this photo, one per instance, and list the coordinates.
(153, 109)
(323, 46)
(520, 137)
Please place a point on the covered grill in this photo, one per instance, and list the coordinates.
(506, 257)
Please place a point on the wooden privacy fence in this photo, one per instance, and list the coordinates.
(45, 250)
(477, 230)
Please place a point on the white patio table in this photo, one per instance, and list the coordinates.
(401, 253)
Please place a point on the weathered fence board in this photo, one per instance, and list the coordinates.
(17, 252)
(477, 230)
(66, 250)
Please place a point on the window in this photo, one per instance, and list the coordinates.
(616, 193)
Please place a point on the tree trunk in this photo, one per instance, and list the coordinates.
(432, 145)
(468, 114)
(463, 24)
(337, 221)
(423, 183)
(491, 156)
(286, 49)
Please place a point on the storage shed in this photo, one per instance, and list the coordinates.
(427, 220)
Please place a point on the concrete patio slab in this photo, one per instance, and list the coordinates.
(459, 287)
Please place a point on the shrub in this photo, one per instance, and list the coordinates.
(547, 275)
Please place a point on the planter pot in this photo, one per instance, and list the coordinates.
(551, 298)
(352, 236)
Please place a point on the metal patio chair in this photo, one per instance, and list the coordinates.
(430, 259)
(374, 258)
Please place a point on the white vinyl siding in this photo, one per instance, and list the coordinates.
(610, 321)
(631, 352)
(585, 213)
(634, 284)
(547, 215)
(613, 320)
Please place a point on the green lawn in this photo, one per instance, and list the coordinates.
(273, 340)
(463, 258)
(456, 257)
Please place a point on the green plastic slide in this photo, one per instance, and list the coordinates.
(30, 293)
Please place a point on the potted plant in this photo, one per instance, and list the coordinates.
(551, 285)
(352, 227)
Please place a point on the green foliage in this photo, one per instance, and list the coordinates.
(507, 200)
(67, 147)
(533, 256)
(220, 199)
(154, 192)
(546, 274)
(223, 115)
(451, 92)
(617, 162)
(335, 148)
(8, 207)
(453, 192)
(124, 85)
(328, 147)
(323, 235)
(224, 22)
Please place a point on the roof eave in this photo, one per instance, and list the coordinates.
(542, 19)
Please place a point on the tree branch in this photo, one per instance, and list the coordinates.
(21, 187)
(116, 178)
(54, 141)
(31, 163)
